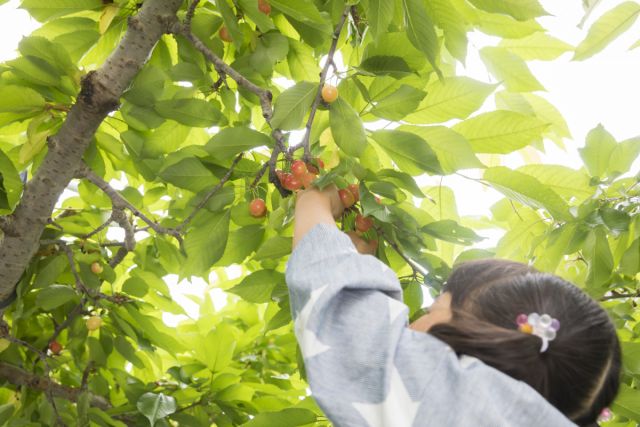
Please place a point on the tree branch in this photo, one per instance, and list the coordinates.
(20, 377)
(100, 94)
(323, 77)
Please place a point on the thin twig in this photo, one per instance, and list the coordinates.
(210, 194)
(305, 143)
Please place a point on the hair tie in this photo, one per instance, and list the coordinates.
(605, 415)
(543, 326)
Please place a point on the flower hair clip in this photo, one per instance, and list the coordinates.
(543, 326)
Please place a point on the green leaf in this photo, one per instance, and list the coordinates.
(420, 30)
(274, 248)
(616, 220)
(394, 66)
(231, 141)
(451, 98)
(510, 69)
(231, 22)
(450, 231)
(568, 183)
(250, 8)
(527, 190)
(538, 45)
(302, 64)
(54, 296)
(410, 152)
(292, 105)
(598, 254)
(257, 286)
(627, 402)
(401, 179)
(44, 10)
(304, 11)
(623, 156)
(22, 100)
(505, 26)
(501, 131)
(534, 105)
(347, 128)
(630, 262)
(156, 406)
(10, 183)
(188, 173)
(597, 151)
(205, 242)
(127, 351)
(452, 149)
(289, 417)
(452, 24)
(607, 28)
(380, 14)
(399, 103)
(189, 111)
(521, 10)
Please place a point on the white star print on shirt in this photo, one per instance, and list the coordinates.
(396, 410)
(395, 309)
(309, 342)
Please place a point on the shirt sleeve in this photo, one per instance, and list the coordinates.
(365, 367)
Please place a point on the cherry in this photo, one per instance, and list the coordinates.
(55, 347)
(292, 183)
(264, 7)
(355, 190)
(308, 179)
(96, 268)
(363, 223)
(225, 35)
(329, 93)
(281, 175)
(93, 323)
(347, 198)
(299, 169)
(257, 208)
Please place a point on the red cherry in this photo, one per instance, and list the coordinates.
(363, 223)
(257, 208)
(329, 93)
(55, 347)
(308, 179)
(355, 190)
(298, 169)
(347, 198)
(264, 7)
(292, 183)
(281, 175)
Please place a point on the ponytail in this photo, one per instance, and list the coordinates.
(579, 373)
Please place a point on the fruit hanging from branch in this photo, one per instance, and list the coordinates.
(363, 223)
(224, 34)
(346, 197)
(94, 323)
(97, 268)
(55, 347)
(257, 208)
(264, 7)
(329, 93)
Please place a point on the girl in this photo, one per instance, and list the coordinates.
(503, 346)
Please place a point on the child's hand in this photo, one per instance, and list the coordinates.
(322, 198)
(316, 207)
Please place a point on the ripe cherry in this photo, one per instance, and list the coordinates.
(264, 7)
(93, 323)
(329, 93)
(299, 169)
(347, 198)
(281, 175)
(292, 183)
(96, 268)
(355, 190)
(225, 35)
(363, 223)
(55, 347)
(308, 179)
(257, 208)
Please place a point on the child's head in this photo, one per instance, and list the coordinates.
(578, 372)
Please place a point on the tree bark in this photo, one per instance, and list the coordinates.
(100, 94)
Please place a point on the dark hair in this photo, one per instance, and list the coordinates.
(580, 371)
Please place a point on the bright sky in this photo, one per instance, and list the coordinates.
(603, 89)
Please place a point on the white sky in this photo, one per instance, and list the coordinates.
(603, 89)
